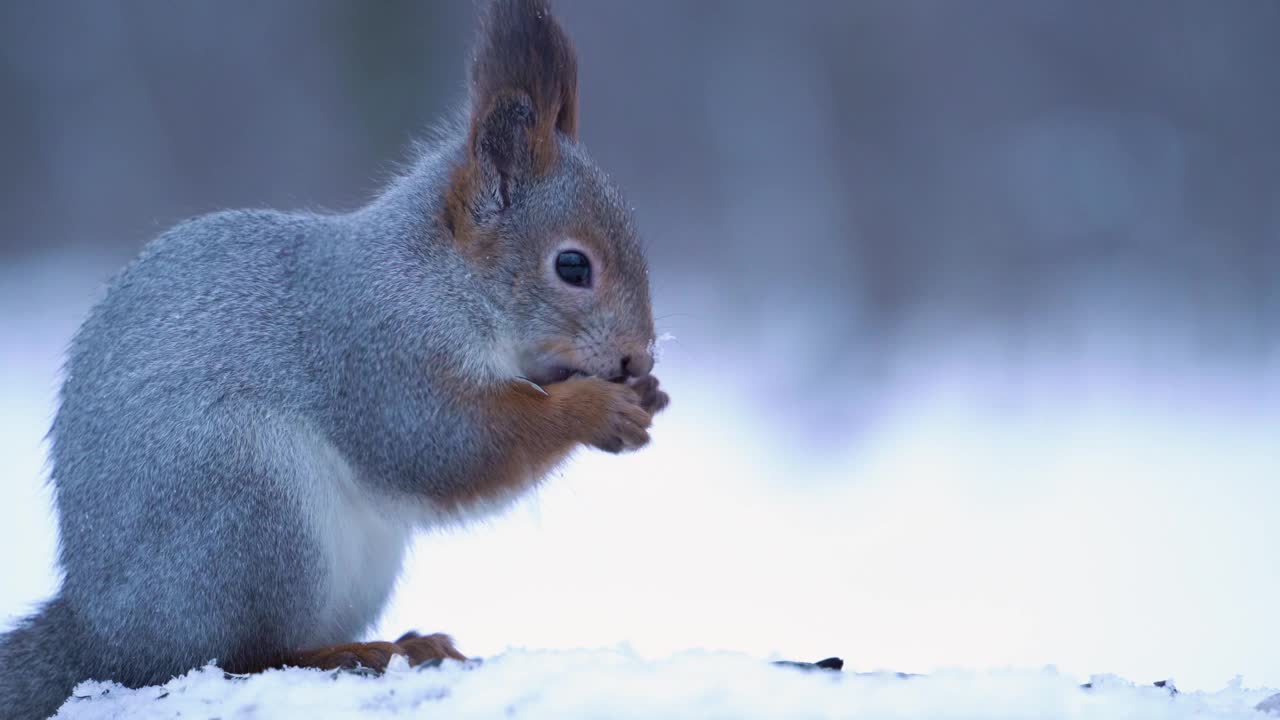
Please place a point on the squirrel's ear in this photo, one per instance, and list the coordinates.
(524, 78)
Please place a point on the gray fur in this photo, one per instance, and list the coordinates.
(265, 405)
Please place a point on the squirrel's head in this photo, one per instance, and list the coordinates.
(537, 218)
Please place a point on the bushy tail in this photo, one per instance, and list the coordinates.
(37, 665)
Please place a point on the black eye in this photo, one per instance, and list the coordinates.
(574, 268)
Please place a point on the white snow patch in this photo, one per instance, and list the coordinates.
(619, 684)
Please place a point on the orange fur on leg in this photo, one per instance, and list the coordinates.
(415, 648)
(535, 429)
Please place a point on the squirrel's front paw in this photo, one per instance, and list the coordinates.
(652, 399)
(625, 424)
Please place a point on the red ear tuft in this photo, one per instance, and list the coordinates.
(524, 91)
(522, 49)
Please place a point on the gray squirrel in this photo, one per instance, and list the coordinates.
(266, 405)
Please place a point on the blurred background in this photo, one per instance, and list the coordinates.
(975, 305)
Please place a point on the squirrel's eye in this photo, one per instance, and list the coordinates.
(573, 268)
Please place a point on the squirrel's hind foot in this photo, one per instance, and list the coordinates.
(421, 648)
(415, 648)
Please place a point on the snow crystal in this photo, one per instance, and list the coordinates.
(618, 684)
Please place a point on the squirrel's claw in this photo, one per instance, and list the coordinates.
(531, 386)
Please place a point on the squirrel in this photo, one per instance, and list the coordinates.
(265, 406)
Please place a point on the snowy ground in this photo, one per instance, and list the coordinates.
(618, 684)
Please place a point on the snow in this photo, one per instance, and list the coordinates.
(620, 684)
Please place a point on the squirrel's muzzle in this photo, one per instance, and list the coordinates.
(636, 364)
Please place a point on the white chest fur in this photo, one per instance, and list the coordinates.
(361, 538)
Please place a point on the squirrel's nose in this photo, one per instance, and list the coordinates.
(637, 364)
